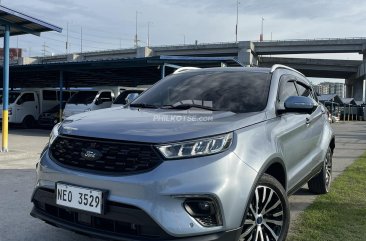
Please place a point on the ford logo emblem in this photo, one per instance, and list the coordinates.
(91, 154)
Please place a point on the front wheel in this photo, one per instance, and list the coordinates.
(28, 122)
(267, 215)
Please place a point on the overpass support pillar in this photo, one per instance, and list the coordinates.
(356, 88)
(246, 54)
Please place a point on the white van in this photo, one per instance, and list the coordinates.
(90, 99)
(29, 104)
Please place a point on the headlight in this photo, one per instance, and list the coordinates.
(199, 147)
(54, 133)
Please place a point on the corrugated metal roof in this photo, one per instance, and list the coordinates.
(21, 23)
(330, 98)
(349, 101)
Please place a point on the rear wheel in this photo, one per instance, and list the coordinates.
(320, 184)
(267, 216)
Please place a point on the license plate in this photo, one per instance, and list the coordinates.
(81, 198)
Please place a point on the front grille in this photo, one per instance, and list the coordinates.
(120, 220)
(106, 155)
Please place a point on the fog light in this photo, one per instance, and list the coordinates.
(204, 210)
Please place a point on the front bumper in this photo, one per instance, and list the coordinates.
(122, 222)
(160, 193)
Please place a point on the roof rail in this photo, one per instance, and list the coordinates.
(280, 66)
(184, 69)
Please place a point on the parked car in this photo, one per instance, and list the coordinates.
(126, 96)
(208, 154)
(26, 105)
(50, 117)
(88, 100)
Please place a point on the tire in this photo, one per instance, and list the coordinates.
(270, 219)
(28, 122)
(320, 184)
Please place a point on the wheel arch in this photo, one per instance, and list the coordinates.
(332, 143)
(274, 167)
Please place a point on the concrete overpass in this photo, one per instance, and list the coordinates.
(253, 54)
(323, 68)
(315, 46)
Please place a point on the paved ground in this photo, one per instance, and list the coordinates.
(17, 178)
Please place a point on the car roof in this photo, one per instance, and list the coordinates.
(229, 69)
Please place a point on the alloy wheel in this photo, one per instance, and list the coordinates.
(265, 216)
(328, 169)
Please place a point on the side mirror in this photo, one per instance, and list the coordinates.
(131, 97)
(300, 104)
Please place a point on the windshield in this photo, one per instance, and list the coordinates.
(12, 97)
(121, 99)
(83, 97)
(235, 91)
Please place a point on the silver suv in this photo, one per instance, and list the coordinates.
(207, 154)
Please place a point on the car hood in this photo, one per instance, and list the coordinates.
(156, 125)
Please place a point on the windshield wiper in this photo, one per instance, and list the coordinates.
(144, 105)
(188, 106)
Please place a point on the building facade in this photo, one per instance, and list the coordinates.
(326, 88)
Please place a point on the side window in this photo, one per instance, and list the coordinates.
(27, 97)
(105, 96)
(287, 88)
(49, 95)
(305, 91)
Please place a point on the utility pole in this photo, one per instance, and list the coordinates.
(237, 21)
(261, 36)
(136, 37)
(81, 39)
(184, 39)
(67, 38)
(148, 34)
(44, 49)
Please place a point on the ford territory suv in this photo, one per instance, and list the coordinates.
(206, 154)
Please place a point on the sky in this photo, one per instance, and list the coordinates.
(111, 24)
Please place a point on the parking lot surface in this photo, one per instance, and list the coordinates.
(17, 178)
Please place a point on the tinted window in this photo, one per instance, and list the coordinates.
(105, 96)
(26, 98)
(12, 97)
(121, 99)
(303, 91)
(49, 95)
(83, 97)
(287, 89)
(65, 95)
(235, 91)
